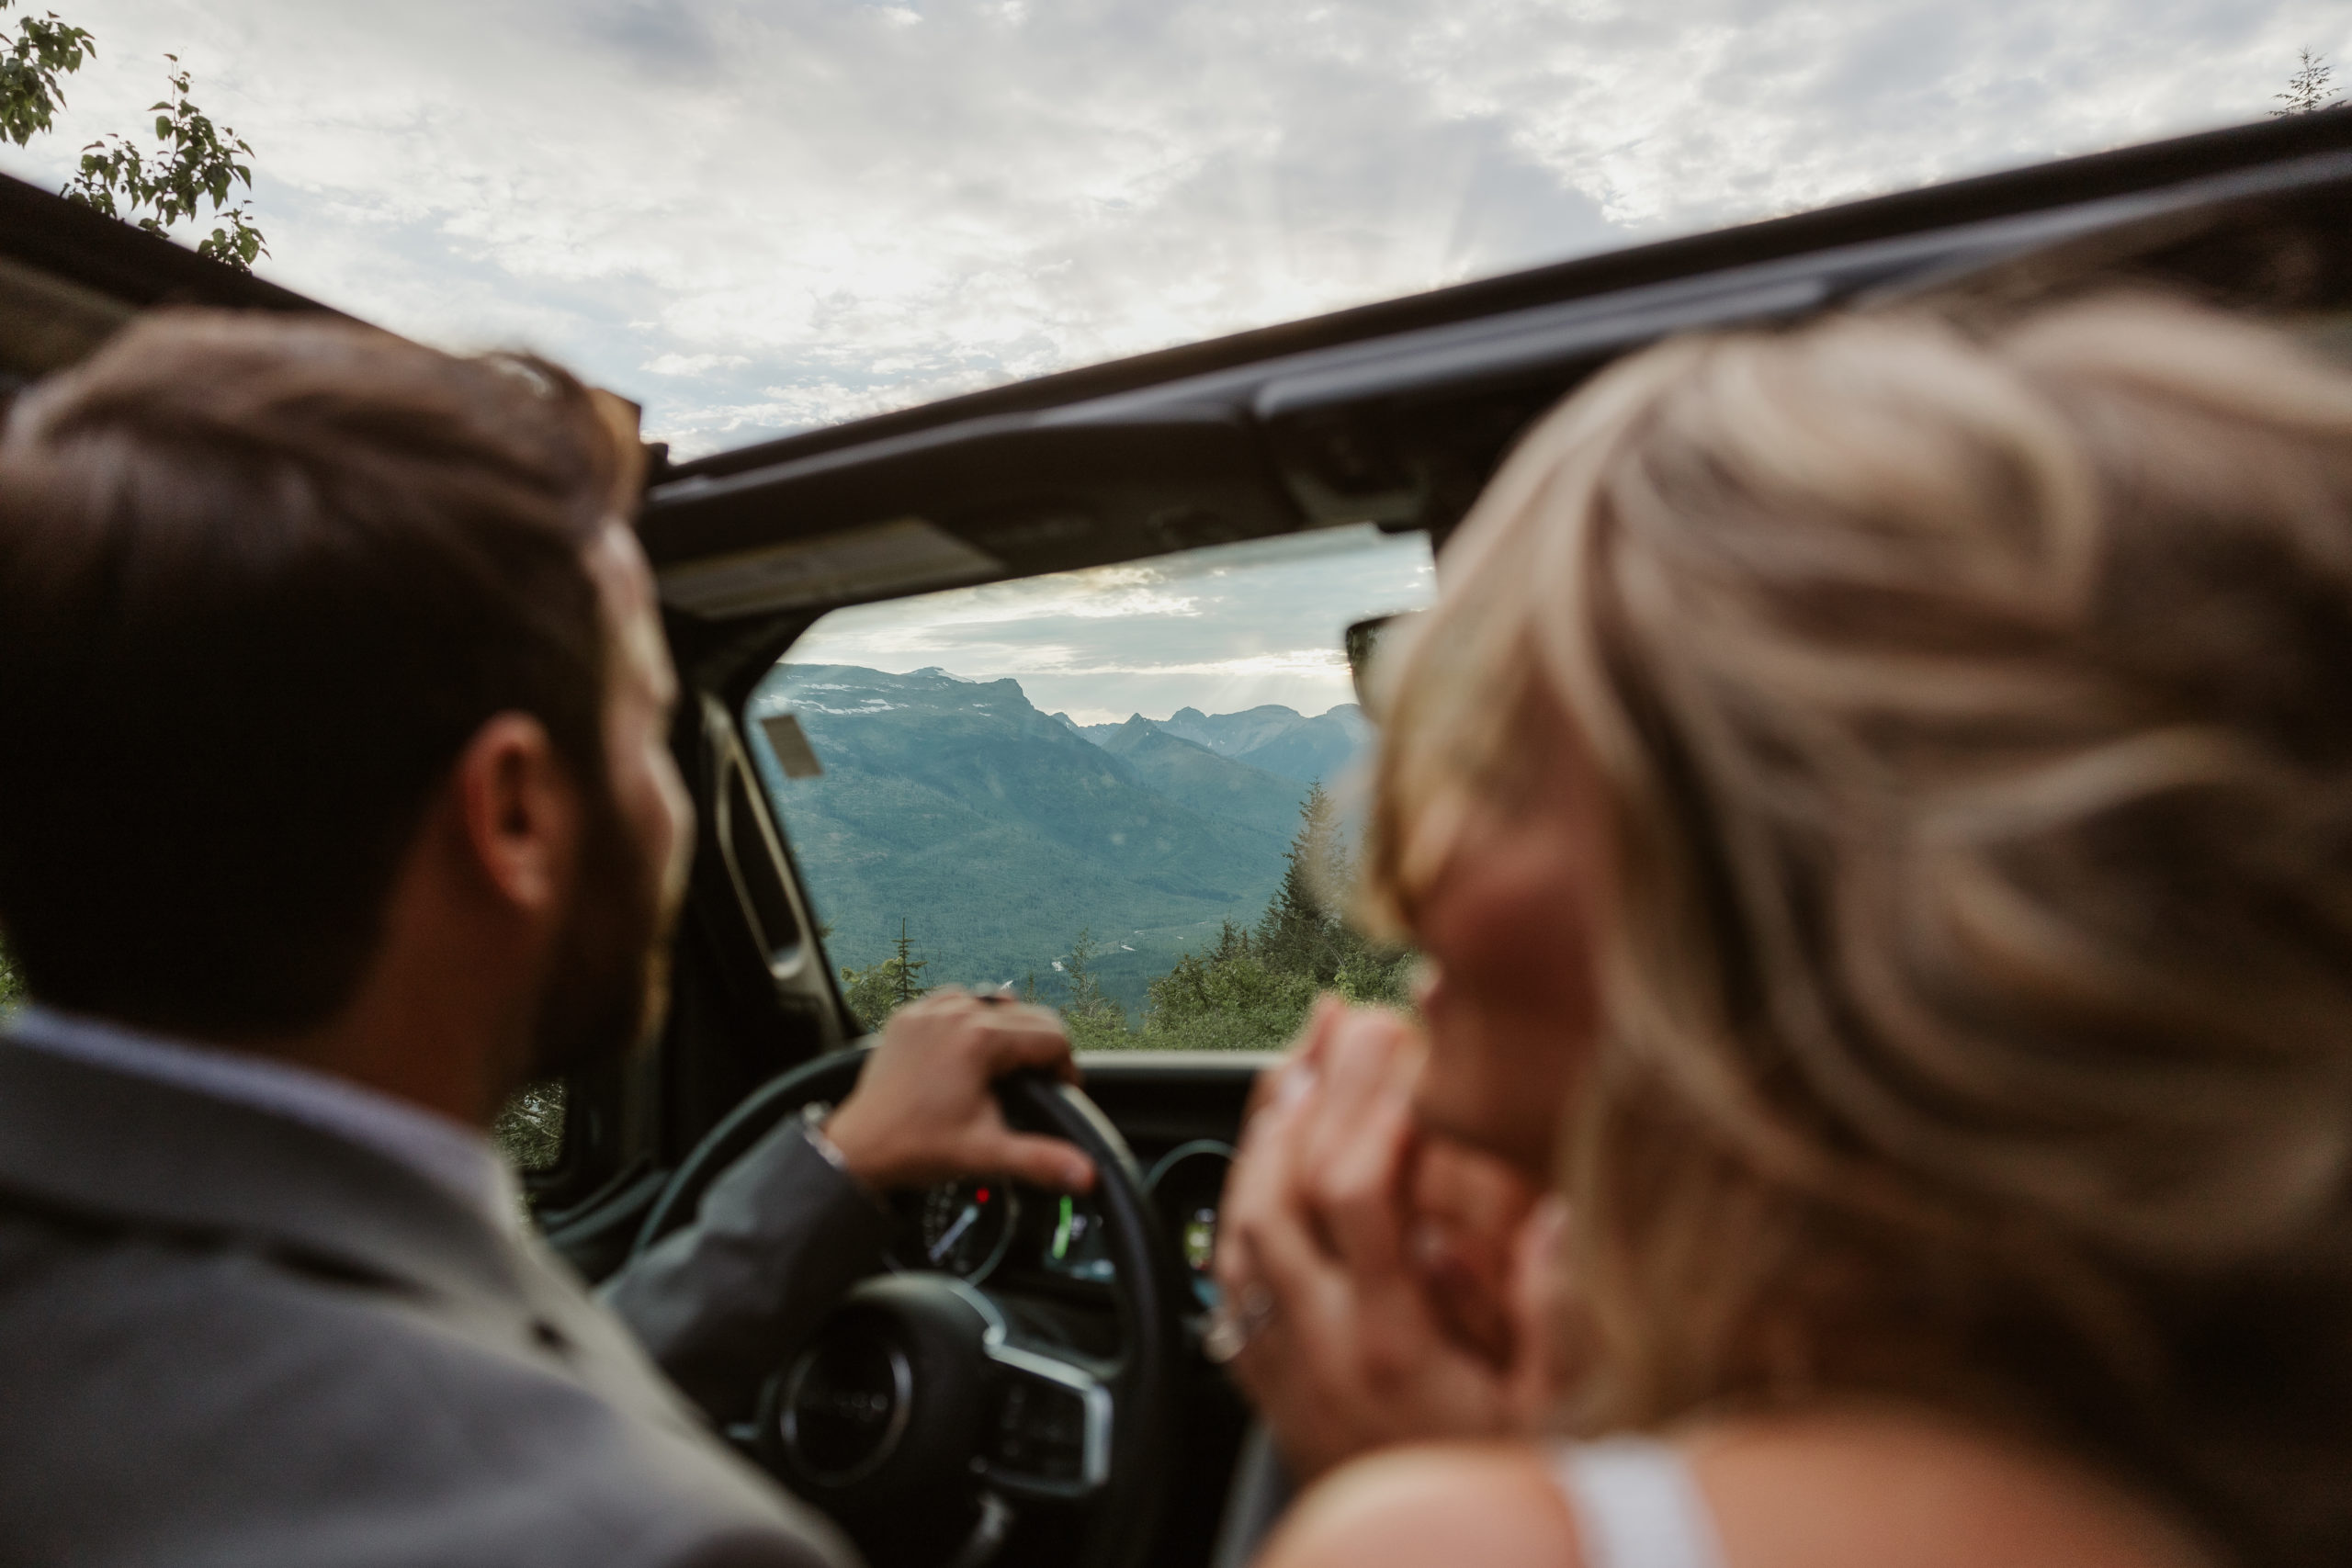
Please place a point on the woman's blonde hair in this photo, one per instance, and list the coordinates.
(1973, 712)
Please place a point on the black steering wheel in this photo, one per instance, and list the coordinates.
(927, 1414)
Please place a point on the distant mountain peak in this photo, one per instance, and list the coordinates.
(1271, 738)
(1276, 738)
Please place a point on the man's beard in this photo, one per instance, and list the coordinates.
(609, 985)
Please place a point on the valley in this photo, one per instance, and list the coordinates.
(998, 833)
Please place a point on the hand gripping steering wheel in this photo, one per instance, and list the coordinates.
(926, 1414)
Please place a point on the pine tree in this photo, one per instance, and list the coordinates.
(1295, 935)
(873, 993)
(1095, 1021)
(1252, 990)
(906, 966)
(2307, 88)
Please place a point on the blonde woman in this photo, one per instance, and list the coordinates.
(1878, 802)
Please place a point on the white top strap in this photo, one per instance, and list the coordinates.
(1635, 1505)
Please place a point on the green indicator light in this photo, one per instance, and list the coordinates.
(1200, 1239)
(1061, 1230)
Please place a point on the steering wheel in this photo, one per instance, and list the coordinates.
(926, 1414)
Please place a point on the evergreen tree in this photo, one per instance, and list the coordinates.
(1230, 999)
(2307, 88)
(905, 967)
(1295, 934)
(1252, 990)
(1095, 1021)
(875, 992)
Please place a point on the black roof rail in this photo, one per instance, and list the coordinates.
(2004, 194)
(81, 246)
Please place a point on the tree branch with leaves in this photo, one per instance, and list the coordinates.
(195, 164)
(33, 58)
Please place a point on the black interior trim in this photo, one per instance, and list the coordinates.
(44, 230)
(71, 277)
(1386, 414)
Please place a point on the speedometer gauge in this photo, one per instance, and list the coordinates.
(964, 1227)
(1188, 1184)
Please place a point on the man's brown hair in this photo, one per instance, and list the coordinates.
(261, 578)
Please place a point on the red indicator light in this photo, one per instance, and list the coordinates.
(982, 1196)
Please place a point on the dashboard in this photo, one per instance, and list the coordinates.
(1043, 1260)
(1181, 1113)
(990, 1229)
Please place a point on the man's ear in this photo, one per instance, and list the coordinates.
(519, 813)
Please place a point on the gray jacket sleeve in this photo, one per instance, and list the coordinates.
(779, 1237)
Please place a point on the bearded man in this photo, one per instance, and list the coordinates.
(336, 804)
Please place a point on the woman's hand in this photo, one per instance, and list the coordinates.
(1467, 1211)
(1343, 1344)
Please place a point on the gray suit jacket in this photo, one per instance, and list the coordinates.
(227, 1339)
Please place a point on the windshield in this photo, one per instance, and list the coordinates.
(1117, 790)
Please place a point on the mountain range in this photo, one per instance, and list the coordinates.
(1275, 740)
(998, 832)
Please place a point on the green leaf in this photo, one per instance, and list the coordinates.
(197, 163)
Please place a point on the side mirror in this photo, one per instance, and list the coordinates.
(1363, 641)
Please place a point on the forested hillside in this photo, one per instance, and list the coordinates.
(1248, 990)
(998, 833)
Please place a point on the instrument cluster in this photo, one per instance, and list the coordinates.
(983, 1228)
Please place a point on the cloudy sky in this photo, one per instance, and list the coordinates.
(759, 215)
(1220, 629)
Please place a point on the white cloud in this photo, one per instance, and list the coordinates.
(760, 214)
(1309, 661)
(1222, 628)
(694, 364)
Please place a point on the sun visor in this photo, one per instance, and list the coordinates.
(790, 744)
(906, 554)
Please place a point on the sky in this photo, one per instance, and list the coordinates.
(759, 215)
(1221, 629)
(756, 216)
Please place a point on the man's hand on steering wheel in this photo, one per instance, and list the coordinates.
(925, 1108)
